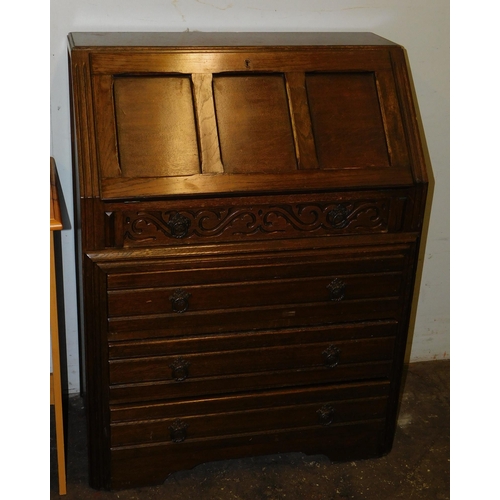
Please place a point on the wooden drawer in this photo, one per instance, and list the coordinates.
(196, 344)
(196, 387)
(205, 269)
(139, 465)
(276, 294)
(195, 366)
(181, 222)
(195, 298)
(233, 366)
(254, 318)
(225, 416)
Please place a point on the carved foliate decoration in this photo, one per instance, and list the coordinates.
(144, 227)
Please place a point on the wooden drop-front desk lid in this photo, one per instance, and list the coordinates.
(230, 113)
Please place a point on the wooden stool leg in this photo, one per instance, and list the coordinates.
(56, 391)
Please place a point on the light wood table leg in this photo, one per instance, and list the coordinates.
(55, 376)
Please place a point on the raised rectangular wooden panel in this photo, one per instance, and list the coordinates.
(155, 126)
(347, 120)
(254, 124)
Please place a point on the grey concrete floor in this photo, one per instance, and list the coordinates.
(418, 466)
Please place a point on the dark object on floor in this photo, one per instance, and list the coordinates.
(418, 467)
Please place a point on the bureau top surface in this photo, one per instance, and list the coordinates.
(107, 40)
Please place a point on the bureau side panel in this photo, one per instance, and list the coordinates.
(97, 380)
(91, 282)
(397, 375)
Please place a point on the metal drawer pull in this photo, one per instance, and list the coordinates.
(179, 369)
(180, 300)
(178, 225)
(336, 287)
(178, 431)
(332, 356)
(338, 217)
(326, 414)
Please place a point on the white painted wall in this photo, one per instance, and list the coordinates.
(422, 27)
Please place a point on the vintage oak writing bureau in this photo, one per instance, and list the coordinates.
(249, 214)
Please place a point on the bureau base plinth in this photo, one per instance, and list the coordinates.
(151, 465)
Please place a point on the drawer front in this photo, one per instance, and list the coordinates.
(197, 387)
(253, 318)
(145, 224)
(206, 270)
(223, 296)
(195, 298)
(136, 465)
(315, 407)
(179, 368)
(197, 344)
(251, 361)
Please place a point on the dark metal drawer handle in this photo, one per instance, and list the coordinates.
(332, 356)
(180, 300)
(338, 217)
(180, 369)
(178, 431)
(178, 225)
(336, 287)
(326, 414)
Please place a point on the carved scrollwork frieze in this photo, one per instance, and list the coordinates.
(144, 227)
